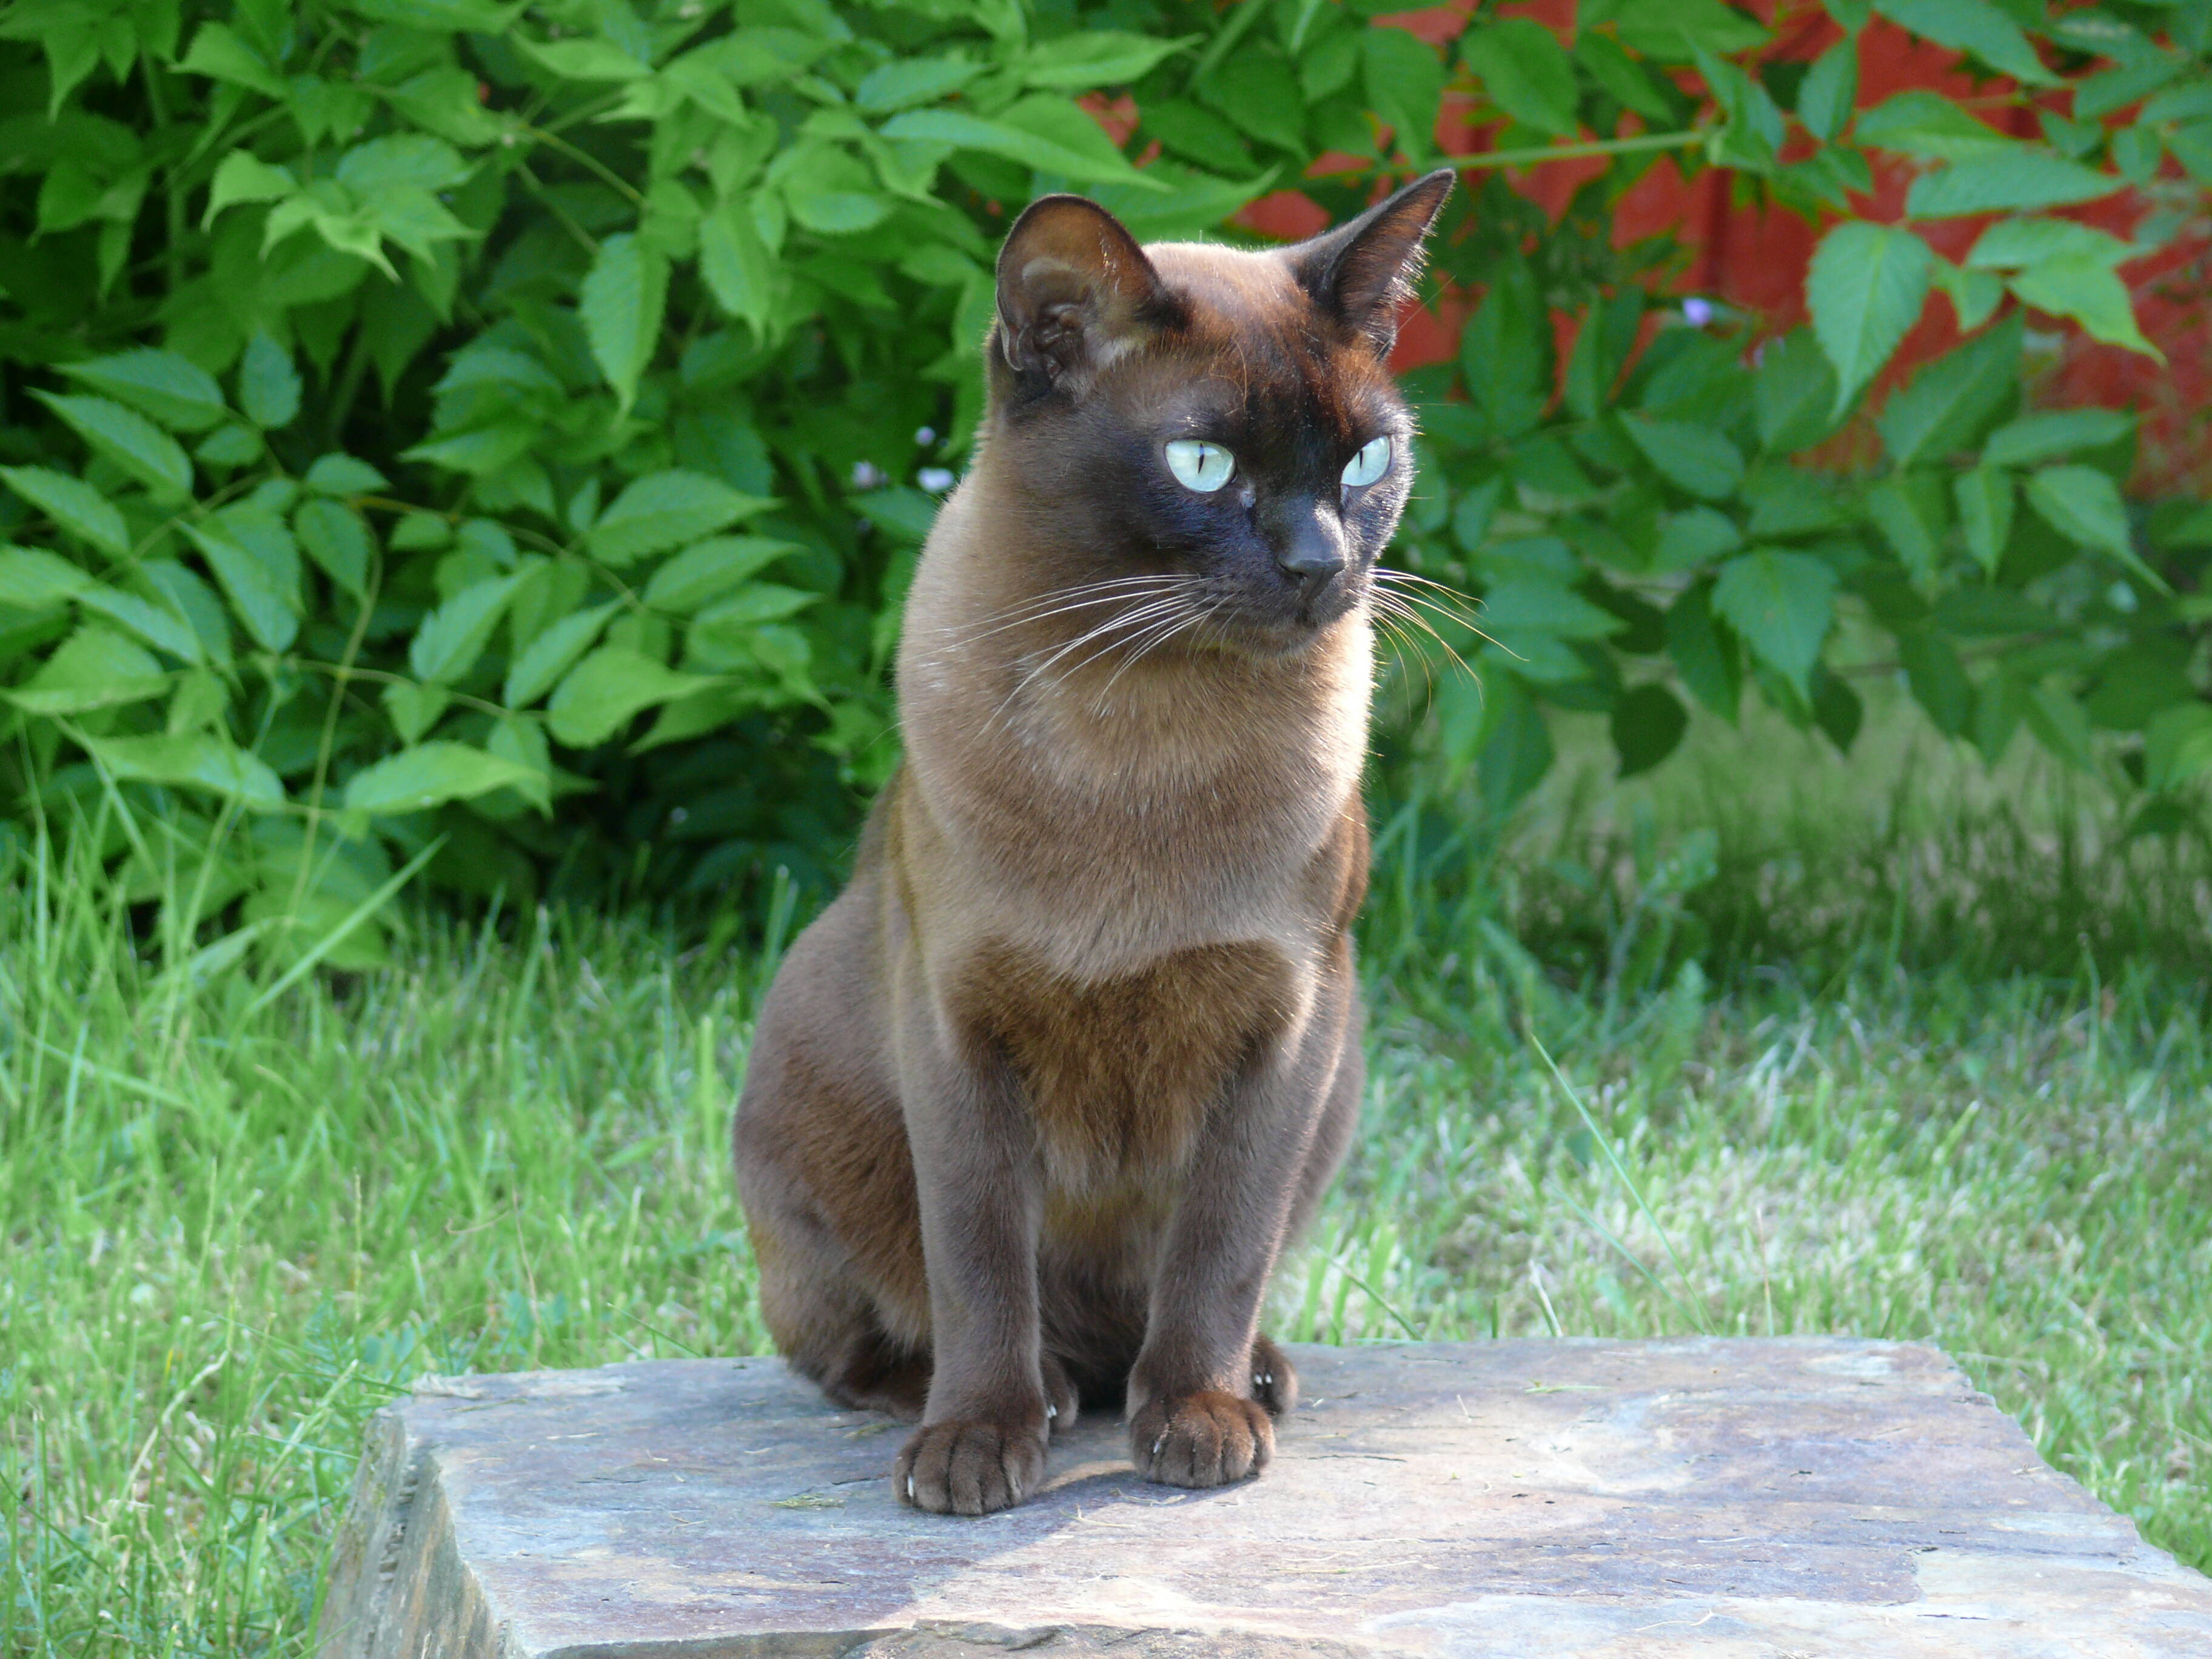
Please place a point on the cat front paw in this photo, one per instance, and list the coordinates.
(1202, 1439)
(958, 1467)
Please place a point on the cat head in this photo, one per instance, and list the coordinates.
(1221, 421)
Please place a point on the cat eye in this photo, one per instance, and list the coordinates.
(1369, 465)
(1202, 467)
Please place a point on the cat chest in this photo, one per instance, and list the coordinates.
(1120, 1073)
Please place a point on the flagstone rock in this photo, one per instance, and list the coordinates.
(1790, 1499)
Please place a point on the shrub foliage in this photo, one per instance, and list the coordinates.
(482, 439)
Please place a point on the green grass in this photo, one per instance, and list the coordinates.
(232, 1231)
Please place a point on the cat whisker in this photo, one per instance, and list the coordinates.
(1081, 596)
(1144, 615)
(1191, 619)
(1395, 606)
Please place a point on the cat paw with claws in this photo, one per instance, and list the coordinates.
(1203, 1439)
(970, 1468)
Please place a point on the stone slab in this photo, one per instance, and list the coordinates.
(1793, 1498)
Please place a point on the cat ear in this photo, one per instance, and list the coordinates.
(1075, 291)
(1362, 273)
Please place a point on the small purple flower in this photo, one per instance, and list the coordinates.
(1696, 313)
(925, 436)
(867, 475)
(935, 479)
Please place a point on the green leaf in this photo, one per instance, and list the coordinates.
(1831, 87)
(1938, 679)
(548, 656)
(623, 300)
(1506, 352)
(2009, 182)
(1696, 538)
(73, 504)
(1986, 504)
(1794, 393)
(1975, 27)
(32, 579)
(243, 177)
(1629, 82)
(1669, 31)
(2087, 289)
(2084, 505)
(1693, 457)
(197, 760)
(905, 82)
(1524, 605)
(2046, 435)
(2176, 747)
(610, 687)
(1910, 511)
(268, 385)
(1034, 133)
(753, 605)
(584, 59)
(413, 708)
(838, 212)
(134, 444)
(738, 267)
(219, 53)
(342, 475)
(94, 668)
(156, 624)
(401, 160)
(175, 391)
(452, 637)
(1524, 71)
(1865, 289)
(2191, 145)
(1949, 401)
(249, 555)
(1103, 57)
(430, 775)
(336, 540)
(1837, 710)
(1782, 605)
(1928, 125)
(1974, 294)
(2011, 243)
(1706, 658)
(666, 509)
(701, 572)
(1405, 81)
(523, 742)
(1648, 724)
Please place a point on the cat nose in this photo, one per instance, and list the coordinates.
(1312, 549)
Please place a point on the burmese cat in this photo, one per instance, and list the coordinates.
(1034, 1104)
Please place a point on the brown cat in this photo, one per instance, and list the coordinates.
(1034, 1104)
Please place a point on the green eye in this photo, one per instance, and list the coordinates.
(1200, 466)
(1369, 465)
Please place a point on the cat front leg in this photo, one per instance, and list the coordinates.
(982, 1444)
(1199, 1411)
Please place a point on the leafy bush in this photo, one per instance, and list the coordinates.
(491, 440)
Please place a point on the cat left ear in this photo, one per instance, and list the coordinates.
(1362, 273)
(1075, 291)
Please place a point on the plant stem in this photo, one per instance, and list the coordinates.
(1518, 158)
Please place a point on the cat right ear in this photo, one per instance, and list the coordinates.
(1075, 291)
